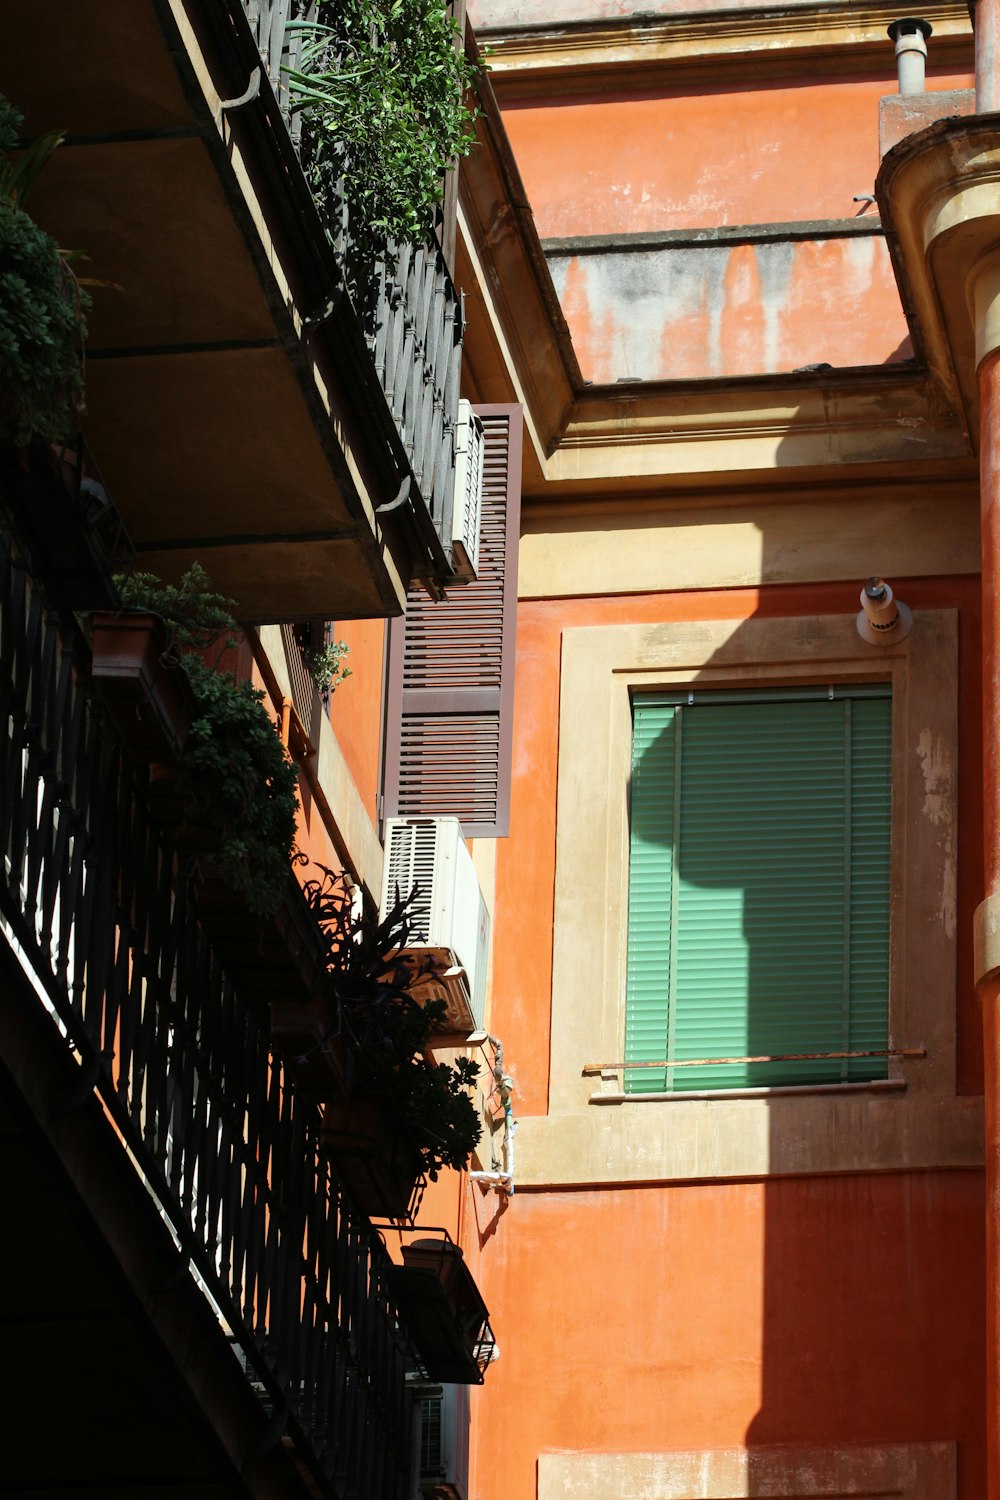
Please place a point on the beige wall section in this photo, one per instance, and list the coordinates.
(353, 829)
(697, 1140)
(725, 1136)
(903, 1471)
(650, 549)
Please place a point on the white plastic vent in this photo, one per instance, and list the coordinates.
(449, 923)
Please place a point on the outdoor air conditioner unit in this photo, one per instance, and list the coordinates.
(442, 1434)
(449, 923)
(467, 513)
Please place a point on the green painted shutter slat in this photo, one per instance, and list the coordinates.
(871, 838)
(647, 1007)
(758, 886)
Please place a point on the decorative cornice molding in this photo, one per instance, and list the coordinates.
(587, 56)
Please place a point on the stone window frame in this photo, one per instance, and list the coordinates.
(602, 666)
(895, 1471)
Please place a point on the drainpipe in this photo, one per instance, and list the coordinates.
(986, 24)
(910, 35)
(984, 285)
(503, 1181)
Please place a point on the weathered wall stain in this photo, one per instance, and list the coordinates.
(681, 312)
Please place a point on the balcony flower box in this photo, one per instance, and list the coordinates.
(374, 1155)
(147, 695)
(306, 1037)
(172, 810)
(280, 961)
(443, 1310)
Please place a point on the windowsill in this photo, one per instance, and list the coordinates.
(848, 1128)
(875, 1086)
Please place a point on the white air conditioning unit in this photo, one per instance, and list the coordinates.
(442, 1440)
(449, 923)
(467, 513)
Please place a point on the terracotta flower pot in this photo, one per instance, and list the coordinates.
(305, 1037)
(442, 1308)
(375, 1158)
(149, 699)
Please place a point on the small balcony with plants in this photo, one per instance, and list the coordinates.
(219, 1049)
(249, 200)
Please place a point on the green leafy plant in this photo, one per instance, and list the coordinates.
(324, 663)
(41, 305)
(389, 1031)
(196, 618)
(234, 769)
(381, 86)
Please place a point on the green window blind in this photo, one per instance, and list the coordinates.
(759, 885)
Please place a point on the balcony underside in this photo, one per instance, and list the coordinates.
(97, 1402)
(208, 414)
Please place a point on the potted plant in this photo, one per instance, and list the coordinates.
(406, 1115)
(443, 1308)
(41, 309)
(150, 701)
(382, 90)
(234, 789)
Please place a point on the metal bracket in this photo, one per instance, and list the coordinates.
(252, 90)
(400, 500)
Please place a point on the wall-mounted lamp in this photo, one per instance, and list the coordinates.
(883, 619)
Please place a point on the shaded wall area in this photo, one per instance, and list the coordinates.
(714, 304)
(356, 707)
(712, 1316)
(714, 230)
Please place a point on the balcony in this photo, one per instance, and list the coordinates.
(245, 409)
(202, 1304)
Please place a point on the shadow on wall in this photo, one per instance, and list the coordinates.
(760, 831)
(759, 885)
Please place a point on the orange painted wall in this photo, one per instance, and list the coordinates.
(522, 954)
(730, 153)
(814, 1312)
(700, 311)
(356, 709)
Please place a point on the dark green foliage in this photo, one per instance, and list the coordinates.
(41, 306)
(381, 86)
(388, 1030)
(196, 617)
(325, 668)
(234, 768)
(241, 782)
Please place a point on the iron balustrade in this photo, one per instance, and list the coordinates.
(105, 916)
(410, 312)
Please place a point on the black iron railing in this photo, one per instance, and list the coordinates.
(410, 311)
(106, 918)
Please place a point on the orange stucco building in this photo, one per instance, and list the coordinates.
(722, 284)
(745, 393)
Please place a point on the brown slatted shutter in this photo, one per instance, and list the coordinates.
(449, 717)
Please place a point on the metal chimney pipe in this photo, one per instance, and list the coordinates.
(910, 35)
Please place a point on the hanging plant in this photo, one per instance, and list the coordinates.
(326, 667)
(234, 772)
(382, 88)
(41, 304)
(388, 1031)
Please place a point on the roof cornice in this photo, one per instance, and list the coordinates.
(737, 45)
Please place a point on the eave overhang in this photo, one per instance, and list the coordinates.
(591, 49)
(939, 195)
(229, 399)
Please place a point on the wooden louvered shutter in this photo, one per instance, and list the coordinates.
(449, 716)
(759, 885)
